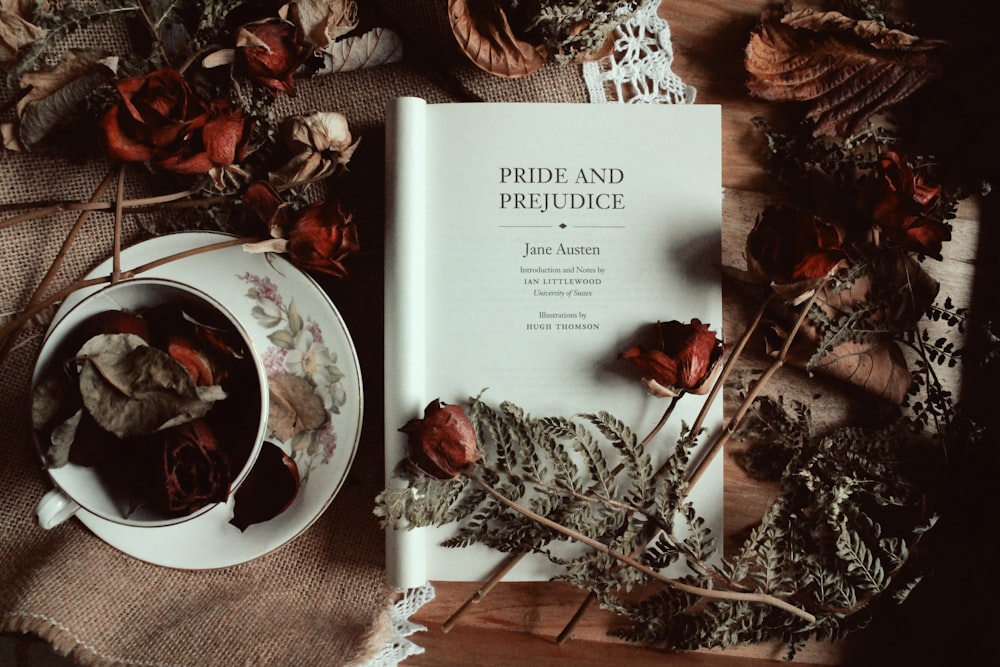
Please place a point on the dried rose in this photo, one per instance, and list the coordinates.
(160, 119)
(269, 51)
(193, 471)
(320, 142)
(321, 236)
(903, 208)
(443, 443)
(317, 237)
(687, 359)
(793, 250)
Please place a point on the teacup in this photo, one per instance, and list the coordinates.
(237, 422)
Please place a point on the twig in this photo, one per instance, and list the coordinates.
(50, 275)
(26, 314)
(116, 261)
(631, 562)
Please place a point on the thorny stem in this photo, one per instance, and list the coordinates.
(513, 559)
(631, 562)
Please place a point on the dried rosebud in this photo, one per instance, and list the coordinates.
(321, 236)
(317, 237)
(443, 443)
(793, 250)
(320, 141)
(687, 359)
(160, 119)
(193, 471)
(903, 208)
(269, 51)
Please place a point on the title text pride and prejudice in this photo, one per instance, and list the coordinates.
(561, 201)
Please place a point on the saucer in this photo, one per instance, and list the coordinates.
(295, 329)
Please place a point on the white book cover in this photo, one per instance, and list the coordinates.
(526, 245)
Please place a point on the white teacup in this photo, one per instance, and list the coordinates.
(244, 410)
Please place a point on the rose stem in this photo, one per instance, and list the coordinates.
(167, 201)
(41, 305)
(754, 392)
(513, 559)
(116, 261)
(691, 477)
(594, 544)
(5, 346)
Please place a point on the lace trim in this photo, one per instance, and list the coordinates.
(399, 648)
(639, 69)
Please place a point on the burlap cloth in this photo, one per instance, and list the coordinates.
(318, 600)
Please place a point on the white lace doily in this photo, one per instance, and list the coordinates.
(639, 69)
(398, 648)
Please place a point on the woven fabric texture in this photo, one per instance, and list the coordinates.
(320, 599)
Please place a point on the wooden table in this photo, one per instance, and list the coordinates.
(517, 622)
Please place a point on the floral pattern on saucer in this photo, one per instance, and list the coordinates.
(298, 348)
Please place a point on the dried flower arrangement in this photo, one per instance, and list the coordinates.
(838, 269)
(194, 109)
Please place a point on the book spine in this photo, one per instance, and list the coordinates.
(405, 345)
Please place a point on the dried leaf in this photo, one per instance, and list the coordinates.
(376, 47)
(55, 94)
(295, 407)
(321, 22)
(849, 70)
(61, 441)
(133, 389)
(15, 30)
(877, 367)
(484, 34)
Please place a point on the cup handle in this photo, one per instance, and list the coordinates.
(54, 508)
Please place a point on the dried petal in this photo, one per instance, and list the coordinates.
(686, 360)
(849, 70)
(268, 490)
(321, 141)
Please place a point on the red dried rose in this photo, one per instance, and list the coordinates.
(160, 119)
(903, 208)
(193, 471)
(317, 237)
(687, 359)
(269, 51)
(443, 443)
(321, 236)
(793, 250)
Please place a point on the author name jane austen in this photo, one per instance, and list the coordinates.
(561, 249)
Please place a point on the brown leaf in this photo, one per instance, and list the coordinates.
(376, 47)
(485, 36)
(849, 70)
(295, 407)
(15, 30)
(877, 367)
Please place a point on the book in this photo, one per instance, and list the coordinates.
(526, 245)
